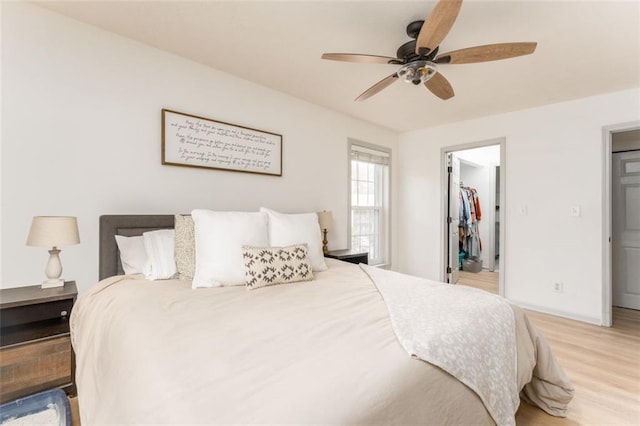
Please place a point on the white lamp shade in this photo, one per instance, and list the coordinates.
(53, 231)
(325, 219)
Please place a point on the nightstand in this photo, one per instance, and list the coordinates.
(35, 341)
(351, 256)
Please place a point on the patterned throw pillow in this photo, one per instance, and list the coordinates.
(185, 249)
(276, 265)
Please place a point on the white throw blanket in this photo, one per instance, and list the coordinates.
(467, 332)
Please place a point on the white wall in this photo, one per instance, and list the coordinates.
(484, 155)
(554, 160)
(1, 127)
(81, 136)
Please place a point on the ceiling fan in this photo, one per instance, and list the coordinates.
(420, 59)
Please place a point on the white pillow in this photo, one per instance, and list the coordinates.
(133, 255)
(160, 248)
(219, 240)
(291, 229)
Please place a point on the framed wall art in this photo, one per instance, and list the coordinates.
(192, 141)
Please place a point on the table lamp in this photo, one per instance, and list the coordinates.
(326, 221)
(53, 231)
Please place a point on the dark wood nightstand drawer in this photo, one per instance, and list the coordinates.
(350, 256)
(31, 322)
(38, 312)
(32, 367)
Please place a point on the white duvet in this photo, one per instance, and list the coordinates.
(159, 352)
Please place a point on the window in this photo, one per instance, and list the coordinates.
(370, 201)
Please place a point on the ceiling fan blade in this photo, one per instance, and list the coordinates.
(440, 86)
(437, 25)
(360, 58)
(488, 52)
(385, 82)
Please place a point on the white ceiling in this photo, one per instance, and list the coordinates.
(584, 48)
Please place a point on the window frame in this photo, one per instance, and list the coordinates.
(385, 210)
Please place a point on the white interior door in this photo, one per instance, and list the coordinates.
(453, 212)
(626, 229)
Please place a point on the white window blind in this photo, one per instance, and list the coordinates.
(370, 202)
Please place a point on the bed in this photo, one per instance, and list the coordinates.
(322, 351)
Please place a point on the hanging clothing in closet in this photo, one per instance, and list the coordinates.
(470, 214)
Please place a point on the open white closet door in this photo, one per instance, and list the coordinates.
(626, 229)
(453, 217)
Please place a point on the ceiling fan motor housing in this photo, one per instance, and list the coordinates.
(407, 51)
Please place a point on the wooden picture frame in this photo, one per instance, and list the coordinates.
(192, 141)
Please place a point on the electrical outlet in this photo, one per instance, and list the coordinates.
(557, 287)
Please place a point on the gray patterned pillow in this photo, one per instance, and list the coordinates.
(185, 249)
(265, 266)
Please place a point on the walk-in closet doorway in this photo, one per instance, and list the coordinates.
(473, 224)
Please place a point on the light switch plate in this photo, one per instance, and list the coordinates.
(575, 211)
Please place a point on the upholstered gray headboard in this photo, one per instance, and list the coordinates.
(129, 226)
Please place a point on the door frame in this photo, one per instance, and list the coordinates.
(502, 141)
(452, 166)
(607, 219)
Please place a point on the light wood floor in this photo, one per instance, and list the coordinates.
(603, 364)
(484, 280)
(75, 414)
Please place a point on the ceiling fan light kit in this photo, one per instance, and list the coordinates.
(418, 56)
(417, 72)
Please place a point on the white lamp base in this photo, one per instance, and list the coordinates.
(54, 270)
(58, 282)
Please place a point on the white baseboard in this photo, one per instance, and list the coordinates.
(558, 313)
